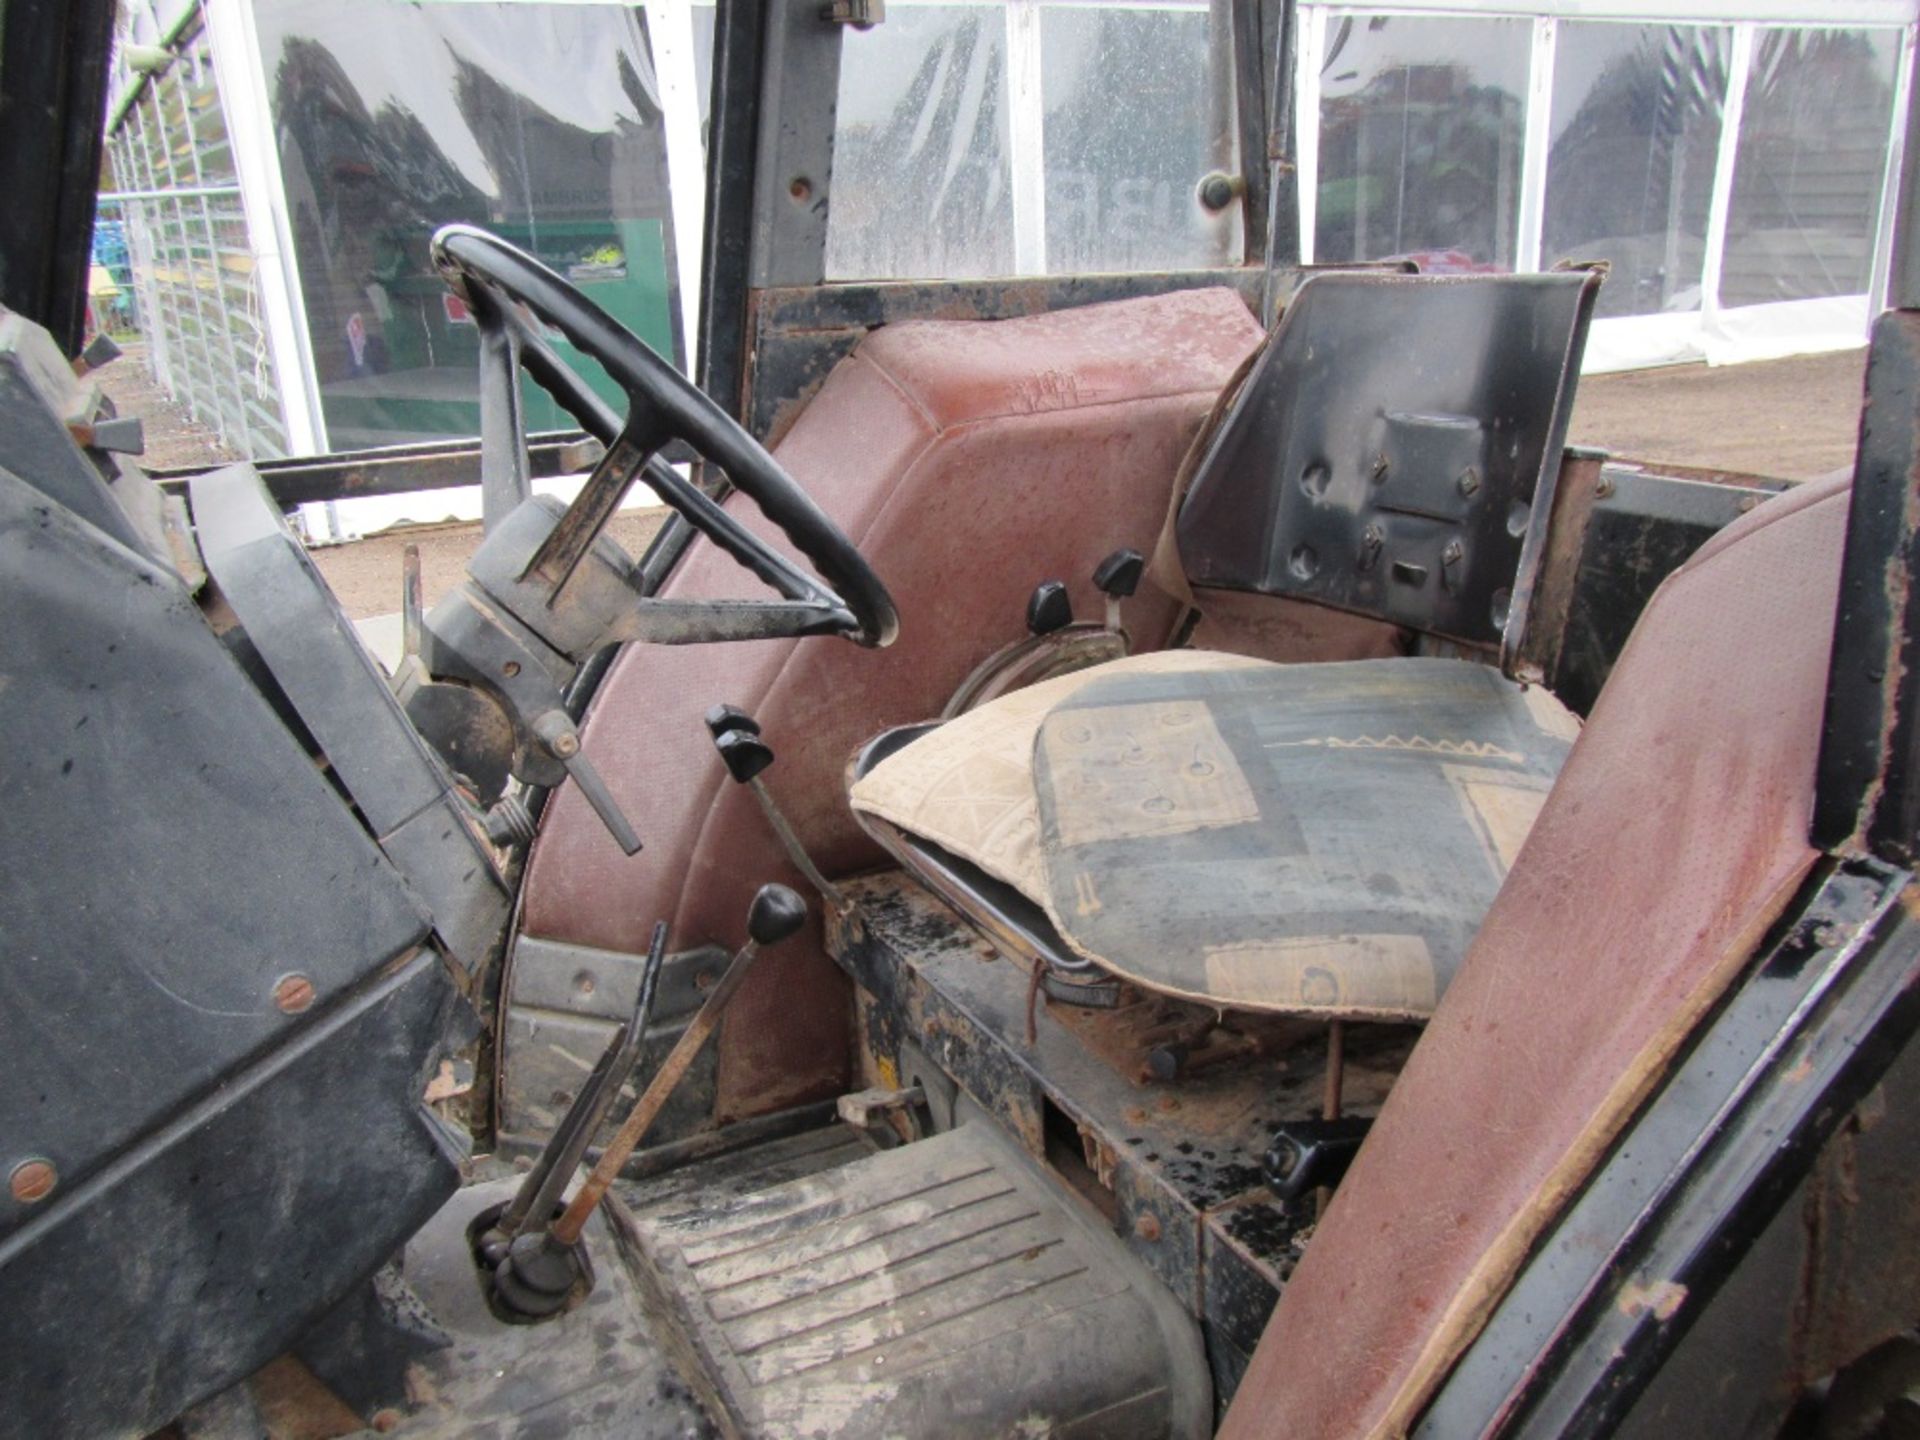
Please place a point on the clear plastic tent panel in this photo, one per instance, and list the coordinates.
(1421, 128)
(922, 183)
(541, 123)
(1129, 135)
(1809, 168)
(1633, 141)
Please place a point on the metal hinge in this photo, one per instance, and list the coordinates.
(861, 14)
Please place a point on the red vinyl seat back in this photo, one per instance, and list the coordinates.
(1674, 836)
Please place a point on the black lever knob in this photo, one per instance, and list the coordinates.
(1049, 608)
(722, 718)
(1307, 1154)
(1119, 574)
(776, 913)
(744, 753)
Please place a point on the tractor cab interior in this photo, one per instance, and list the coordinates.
(1307, 903)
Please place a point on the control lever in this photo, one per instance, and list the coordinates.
(555, 730)
(543, 1269)
(736, 735)
(1049, 608)
(1307, 1155)
(1117, 577)
(541, 1189)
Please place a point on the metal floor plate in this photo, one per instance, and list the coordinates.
(940, 1289)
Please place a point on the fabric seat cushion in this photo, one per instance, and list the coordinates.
(1310, 839)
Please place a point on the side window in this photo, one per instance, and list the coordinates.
(1807, 177)
(541, 123)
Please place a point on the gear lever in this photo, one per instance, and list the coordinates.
(542, 1271)
(543, 1185)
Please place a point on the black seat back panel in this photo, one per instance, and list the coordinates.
(1394, 450)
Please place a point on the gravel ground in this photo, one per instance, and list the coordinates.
(1793, 419)
(174, 438)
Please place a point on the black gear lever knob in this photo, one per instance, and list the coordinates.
(1119, 574)
(722, 718)
(776, 914)
(1049, 608)
(744, 753)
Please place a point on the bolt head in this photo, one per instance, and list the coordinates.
(386, 1421)
(292, 994)
(32, 1181)
(1469, 482)
(1146, 1225)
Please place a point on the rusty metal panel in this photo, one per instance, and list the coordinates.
(1869, 788)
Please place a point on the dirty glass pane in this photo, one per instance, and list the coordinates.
(1123, 160)
(921, 182)
(1634, 138)
(539, 122)
(1421, 122)
(1806, 180)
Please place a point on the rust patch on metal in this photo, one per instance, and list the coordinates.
(1545, 624)
(32, 1181)
(293, 994)
(1661, 1299)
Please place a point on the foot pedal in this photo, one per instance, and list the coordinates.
(944, 1288)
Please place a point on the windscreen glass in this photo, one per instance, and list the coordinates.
(1031, 139)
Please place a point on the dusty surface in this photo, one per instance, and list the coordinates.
(1795, 419)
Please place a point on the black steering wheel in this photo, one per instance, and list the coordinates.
(504, 286)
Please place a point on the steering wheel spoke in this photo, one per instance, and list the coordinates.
(503, 430)
(694, 622)
(573, 535)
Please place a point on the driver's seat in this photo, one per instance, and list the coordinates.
(1312, 839)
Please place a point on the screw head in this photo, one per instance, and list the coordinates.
(566, 745)
(1146, 1225)
(386, 1421)
(32, 1181)
(1469, 482)
(293, 993)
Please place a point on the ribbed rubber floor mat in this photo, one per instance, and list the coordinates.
(940, 1289)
